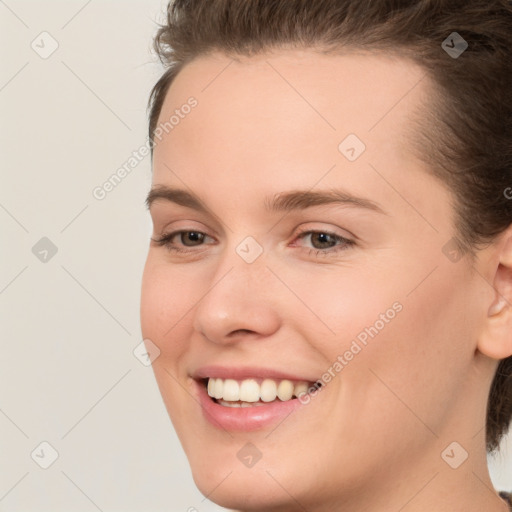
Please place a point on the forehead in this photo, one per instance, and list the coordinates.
(283, 115)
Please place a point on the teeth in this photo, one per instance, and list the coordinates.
(301, 387)
(231, 391)
(211, 387)
(285, 390)
(268, 390)
(218, 388)
(239, 404)
(249, 392)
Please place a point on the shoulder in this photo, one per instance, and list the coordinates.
(507, 496)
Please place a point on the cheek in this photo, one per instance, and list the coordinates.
(407, 349)
(342, 305)
(418, 365)
(166, 297)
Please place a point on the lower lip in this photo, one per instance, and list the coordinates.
(244, 419)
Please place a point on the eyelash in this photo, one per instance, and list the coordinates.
(165, 241)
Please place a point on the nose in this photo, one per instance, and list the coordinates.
(239, 302)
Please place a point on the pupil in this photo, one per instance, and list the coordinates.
(323, 237)
(193, 235)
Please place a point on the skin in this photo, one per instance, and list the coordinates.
(372, 438)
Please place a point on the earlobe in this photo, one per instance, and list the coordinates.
(495, 340)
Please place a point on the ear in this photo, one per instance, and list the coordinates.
(496, 339)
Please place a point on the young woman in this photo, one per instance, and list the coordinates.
(329, 282)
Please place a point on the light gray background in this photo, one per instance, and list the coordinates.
(70, 324)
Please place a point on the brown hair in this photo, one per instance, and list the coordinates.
(469, 146)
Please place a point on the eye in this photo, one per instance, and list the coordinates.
(188, 238)
(325, 242)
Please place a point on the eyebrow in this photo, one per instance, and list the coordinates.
(281, 202)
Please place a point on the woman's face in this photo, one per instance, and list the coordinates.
(365, 292)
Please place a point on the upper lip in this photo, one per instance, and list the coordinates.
(246, 372)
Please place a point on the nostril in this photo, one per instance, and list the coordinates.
(241, 331)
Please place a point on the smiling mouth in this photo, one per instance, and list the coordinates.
(254, 392)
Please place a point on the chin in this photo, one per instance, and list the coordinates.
(243, 490)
